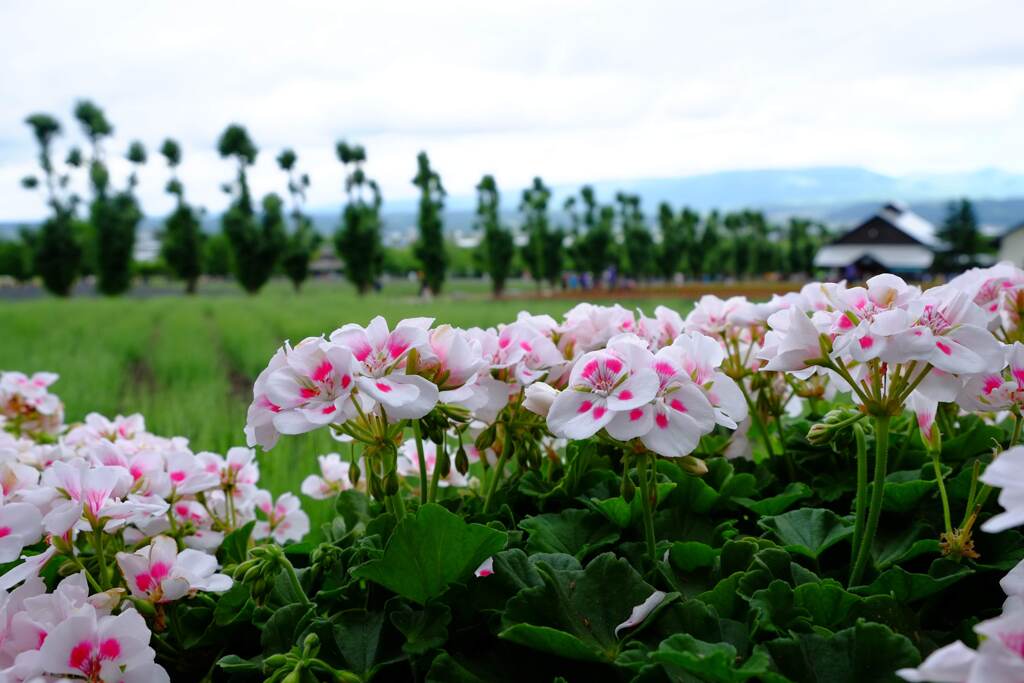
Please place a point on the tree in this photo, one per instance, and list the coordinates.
(636, 238)
(182, 243)
(217, 255)
(56, 250)
(676, 239)
(710, 247)
(15, 259)
(256, 244)
(961, 236)
(689, 222)
(357, 240)
(544, 248)
(114, 215)
(498, 245)
(303, 241)
(429, 249)
(597, 239)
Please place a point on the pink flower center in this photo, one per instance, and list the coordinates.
(5, 531)
(945, 348)
(584, 407)
(661, 420)
(384, 387)
(866, 342)
(635, 414)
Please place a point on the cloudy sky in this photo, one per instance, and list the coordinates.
(572, 91)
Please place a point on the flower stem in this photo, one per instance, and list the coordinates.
(877, 493)
(499, 469)
(860, 511)
(423, 461)
(442, 452)
(940, 481)
(293, 579)
(756, 417)
(648, 489)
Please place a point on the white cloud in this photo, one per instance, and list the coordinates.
(573, 91)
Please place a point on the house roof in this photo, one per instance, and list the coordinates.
(901, 217)
(895, 257)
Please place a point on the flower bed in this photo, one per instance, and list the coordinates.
(796, 490)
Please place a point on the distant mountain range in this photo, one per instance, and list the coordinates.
(839, 195)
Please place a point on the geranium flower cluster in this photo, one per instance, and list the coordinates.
(137, 517)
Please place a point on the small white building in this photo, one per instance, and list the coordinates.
(894, 240)
(1011, 246)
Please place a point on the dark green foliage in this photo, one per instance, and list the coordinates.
(357, 240)
(963, 241)
(216, 255)
(497, 245)
(56, 249)
(544, 251)
(114, 214)
(677, 235)
(303, 240)
(182, 240)
(636, 237)
(16, 258)
(256, 241)
(430, 249)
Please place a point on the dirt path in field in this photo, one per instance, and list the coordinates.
(239, 382)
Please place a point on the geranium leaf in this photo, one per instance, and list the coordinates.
(575, 612)
(574, 532)
(863, 653)
(808, 531)
(429, 551)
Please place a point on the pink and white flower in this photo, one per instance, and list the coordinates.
(602, 385)
(380, 356)
(332, 480)
(285, 521)
(159, 573)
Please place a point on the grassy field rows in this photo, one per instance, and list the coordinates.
(188, 364)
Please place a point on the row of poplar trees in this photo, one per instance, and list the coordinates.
(274, 234)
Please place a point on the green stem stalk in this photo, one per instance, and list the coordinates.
(499, 469)
(423, 461)
(877, 493)
(940, 481)
(648, 490)
(860, 511)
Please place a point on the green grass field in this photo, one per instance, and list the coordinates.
(188, 364)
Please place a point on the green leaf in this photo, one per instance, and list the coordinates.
(906, 587)
(236, 664)
(688, 556)
(423, 629)
(904, 490)
(775, 608)
(234, 606)
(283, 627)
(624, 514)
(357, 636)
(444, 669)
(903, 543)
(429, 551)
(778, 504)
(863, 653)
(827, 603)
(353, 507)
(575, 612)
(235, 547)
(573, 531)
(712, 662)
(808, 531)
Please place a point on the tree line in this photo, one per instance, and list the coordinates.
(591, 242)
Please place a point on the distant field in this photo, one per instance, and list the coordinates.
(188, 364)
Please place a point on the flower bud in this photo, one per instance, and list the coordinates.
(391, 483)
(539, 397)
(354, 473)
(461, 460)
(444, 465)
(828, 429)
(692, 465)
(486, 438)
